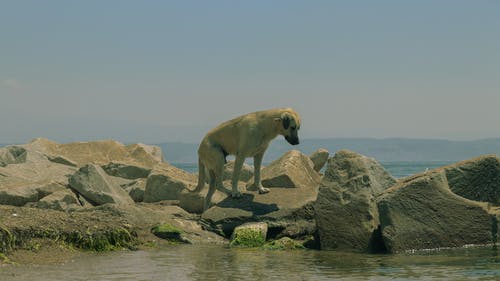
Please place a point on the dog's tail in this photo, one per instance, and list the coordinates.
(201, 176)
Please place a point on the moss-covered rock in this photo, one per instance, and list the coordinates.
(285, 243)
(169, 232)
(249, 235)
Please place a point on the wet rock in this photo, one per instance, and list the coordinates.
(476, 179)
(97, 187)
(166, 183)
(346, 212)
(319, 158)
(421, 212)
(249, 235)
(293, 169)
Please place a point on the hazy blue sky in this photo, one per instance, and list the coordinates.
(154, 71)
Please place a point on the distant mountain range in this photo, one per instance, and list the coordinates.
(386, 150)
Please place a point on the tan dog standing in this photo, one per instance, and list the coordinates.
(244, 136)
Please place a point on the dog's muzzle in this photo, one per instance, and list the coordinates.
(292, 141)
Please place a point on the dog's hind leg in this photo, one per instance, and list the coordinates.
(211, 190)
(201, 177)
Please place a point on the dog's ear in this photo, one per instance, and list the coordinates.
(285, 118)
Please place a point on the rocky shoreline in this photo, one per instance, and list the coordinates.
(104, 195)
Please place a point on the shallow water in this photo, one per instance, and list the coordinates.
(216, 262)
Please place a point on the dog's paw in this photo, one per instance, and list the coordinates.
(263, 190)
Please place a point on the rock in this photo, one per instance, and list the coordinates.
(63, 200)
(136, 189)
(97, 187)
(476, 179)
(284, 243)
(62, 160)
(287, 211)
(166, 183)
(193, 202)
(346, 212)
(99, 152)
(168, 232)
(293, 169)
(249, 235)
(126, 171)
(12, 155)
(245, 175)
(319, 158)
(22, 194)
(421, 212)
(24, 166)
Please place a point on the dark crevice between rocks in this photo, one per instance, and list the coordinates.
(377, 244)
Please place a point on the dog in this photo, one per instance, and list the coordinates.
(244, 136)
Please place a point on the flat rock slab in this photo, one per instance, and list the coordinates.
(284, 209)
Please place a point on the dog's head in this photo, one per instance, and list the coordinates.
(289, 125)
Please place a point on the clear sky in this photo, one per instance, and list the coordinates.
(154, 71)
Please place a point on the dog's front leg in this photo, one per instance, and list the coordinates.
(238, 164)
(257, 163)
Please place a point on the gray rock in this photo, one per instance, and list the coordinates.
(12, 155)
(166, 183)
(126, 171)
(97, 187)
(136, 189)
(476, 179)
(63, 200)
(23, 194)
(193, 202)
(245, 175)
(287, 211)
(421, 212)
(346, 212)
(319, 158)
(293, 169)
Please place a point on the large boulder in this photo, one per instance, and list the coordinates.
(319, 158)
(476, 179)
(293, 169)
(346, 212)
(421, 212)
(98, 187)
(167, 182)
